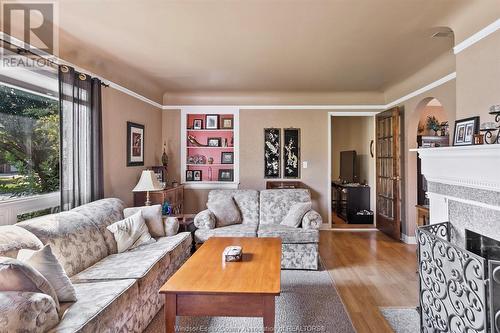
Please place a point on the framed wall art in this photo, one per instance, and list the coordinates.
(465, 129)
(291, 153)
(272, 152)
(135, 144)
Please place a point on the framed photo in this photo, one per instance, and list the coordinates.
(212, 121)
(227, 123)
(272, 153)
(465, 129)
(226, 175)
(197, 175)
(227, 157)
(214, 142)
(291, 153)
(198, 124)
(135, 144)
(189, 175)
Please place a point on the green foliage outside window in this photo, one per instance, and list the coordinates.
(29, 142)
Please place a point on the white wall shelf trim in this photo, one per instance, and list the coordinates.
(469, 166)
(471, 40)
(9, 209)
(211, 185)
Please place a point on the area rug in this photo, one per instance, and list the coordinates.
(309, 302)
(402, 320)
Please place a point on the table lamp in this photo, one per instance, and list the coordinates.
(147, 182)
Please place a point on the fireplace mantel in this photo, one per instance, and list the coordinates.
(470, 166)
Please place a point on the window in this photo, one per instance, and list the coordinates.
(29, 139)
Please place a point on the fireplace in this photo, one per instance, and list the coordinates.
(459, 283)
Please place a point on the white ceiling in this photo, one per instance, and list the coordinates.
(253, 45)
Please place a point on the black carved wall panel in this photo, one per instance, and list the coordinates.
(272, 153)
(291, 153)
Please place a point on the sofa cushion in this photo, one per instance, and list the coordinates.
(225, 211)
(144, 263)
(296, 213)
(103, 306)
(27, 312)
(104, 212)
(74, 239)
(130, 232)
(16, 275)
(47, 264)
(246, 200)
(289, 234)
(275, 204)
(237, 230)
(13, 238)
(152, 216)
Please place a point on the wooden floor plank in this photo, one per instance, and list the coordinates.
(370, 270)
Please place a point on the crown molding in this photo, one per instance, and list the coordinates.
(471, 40)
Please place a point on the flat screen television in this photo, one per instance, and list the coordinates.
(348, 170)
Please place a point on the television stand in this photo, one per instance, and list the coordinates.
(349, 199)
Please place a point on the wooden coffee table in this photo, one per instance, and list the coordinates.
(207, 286)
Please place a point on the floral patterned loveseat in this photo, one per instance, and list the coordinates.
(116, 292)
(262, 213)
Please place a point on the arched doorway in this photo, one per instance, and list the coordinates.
(432, 131)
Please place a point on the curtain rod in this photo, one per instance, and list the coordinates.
(21, 50)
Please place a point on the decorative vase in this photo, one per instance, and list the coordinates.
(164, 156)
(171, 226)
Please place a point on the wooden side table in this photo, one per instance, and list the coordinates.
(422, 215)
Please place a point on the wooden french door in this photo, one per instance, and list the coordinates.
(388, 139)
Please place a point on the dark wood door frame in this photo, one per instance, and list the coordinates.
(389, 171)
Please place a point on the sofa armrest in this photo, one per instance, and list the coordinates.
(204, 220)
(312, 220)
(27, 312)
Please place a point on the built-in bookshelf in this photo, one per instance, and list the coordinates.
(210, 147)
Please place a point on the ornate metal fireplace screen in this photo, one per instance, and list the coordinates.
(459, 290)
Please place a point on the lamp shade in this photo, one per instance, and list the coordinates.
(148, 182)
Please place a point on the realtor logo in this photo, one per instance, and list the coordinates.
(31, 22)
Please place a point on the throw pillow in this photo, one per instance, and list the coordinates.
(130, 232)
(152, 216)
(16, 275)
(296, 213)
(47, 264)
(225, 211)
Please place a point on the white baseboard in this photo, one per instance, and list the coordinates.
(408, 239)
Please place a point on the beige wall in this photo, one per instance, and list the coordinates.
(478, 78)
(313, 147)
(118, 108)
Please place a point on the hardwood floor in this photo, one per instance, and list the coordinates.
(370, 270)
(338, 223)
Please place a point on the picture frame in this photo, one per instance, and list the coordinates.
(227, 157)
(198, 124)
(464, 132)
(189, 175)
(214, 142)
(226, 175)
(227, 123)
(135, 144)
(291, 153)
(212, 121)
(197, 175)
(272, 153)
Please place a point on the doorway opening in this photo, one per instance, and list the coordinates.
(432, 131)
(352, 177)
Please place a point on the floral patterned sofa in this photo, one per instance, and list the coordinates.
(116, 292)
(262, 213)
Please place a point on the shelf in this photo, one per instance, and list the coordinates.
(210, 185)
(194, 147)
(210, 130)
(210, 165)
